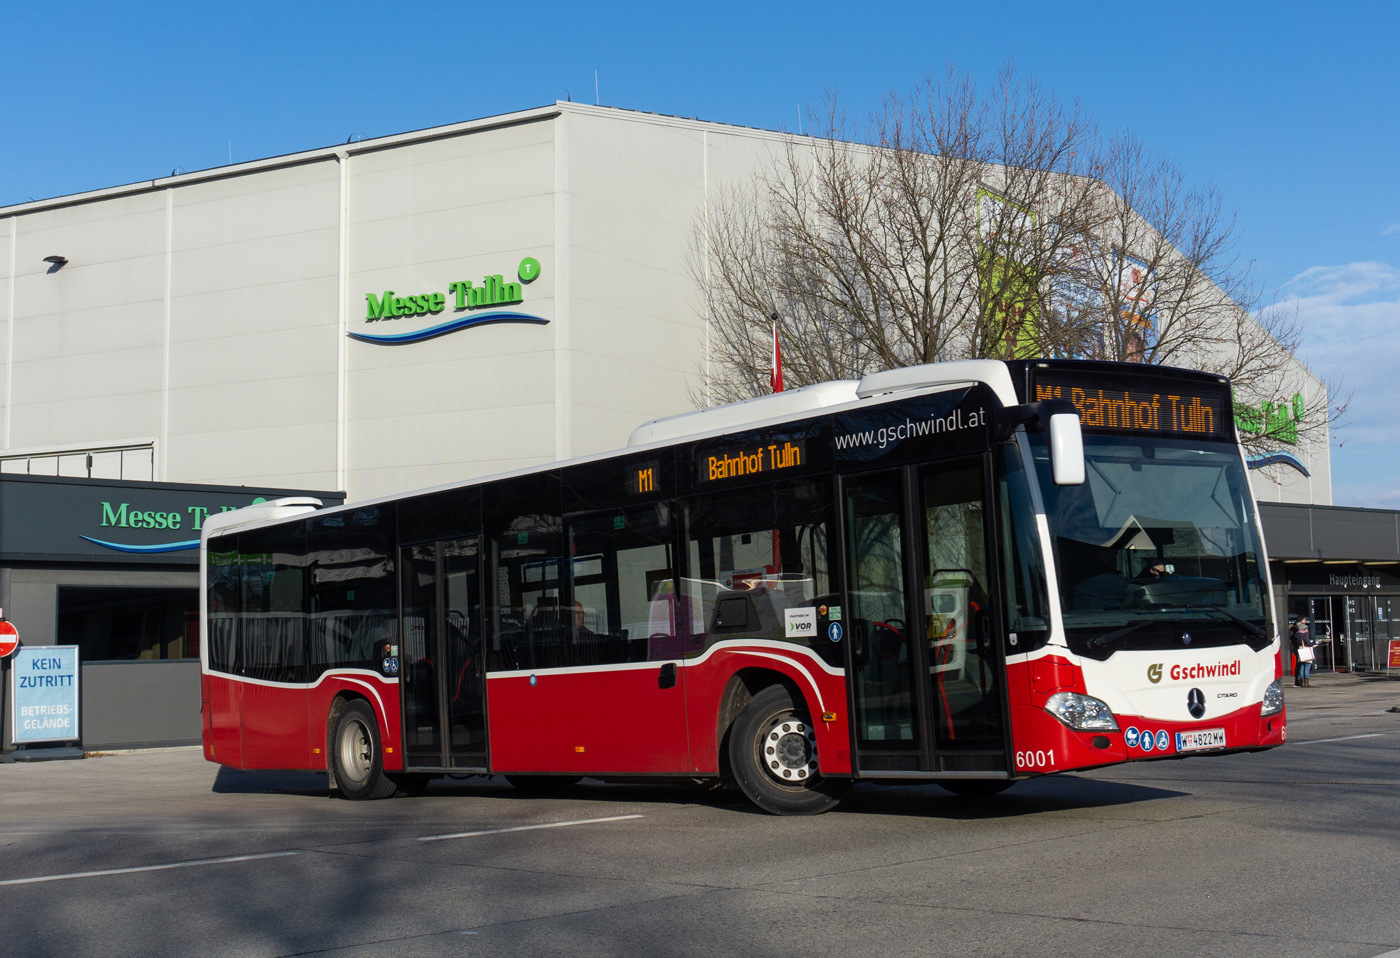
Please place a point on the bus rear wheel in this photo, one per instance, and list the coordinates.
(357, 755)
(773, 754)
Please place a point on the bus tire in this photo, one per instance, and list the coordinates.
(773, 755)
(358, 755)
(543, 783)
(975, 787)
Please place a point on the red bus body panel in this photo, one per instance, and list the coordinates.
(587, 720)
(256, 725)
(823, 688)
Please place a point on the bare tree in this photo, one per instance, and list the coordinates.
(956, 224)
(923, 236)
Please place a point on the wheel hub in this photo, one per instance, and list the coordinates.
(790, 750)
(356, 753)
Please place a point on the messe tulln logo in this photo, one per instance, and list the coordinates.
(122, 516)
(493, 291)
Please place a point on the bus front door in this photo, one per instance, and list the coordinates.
(441, 669)
(927, 681)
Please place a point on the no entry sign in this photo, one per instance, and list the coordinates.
(9, 639)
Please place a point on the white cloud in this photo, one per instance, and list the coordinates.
(1351, 318)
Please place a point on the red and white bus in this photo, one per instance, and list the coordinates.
(966, 573)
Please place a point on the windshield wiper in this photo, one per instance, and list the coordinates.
(1245, 624)
(1099, 641)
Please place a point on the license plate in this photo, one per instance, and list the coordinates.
(1200, 739)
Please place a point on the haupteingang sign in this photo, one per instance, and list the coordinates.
(464, 296)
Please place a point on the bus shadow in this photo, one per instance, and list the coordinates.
(1052, 793)
(230, 781)
(1049, 794)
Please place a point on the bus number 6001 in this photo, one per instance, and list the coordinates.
(1035, 759)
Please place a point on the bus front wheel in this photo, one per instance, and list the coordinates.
(358, 756)
(773, 753)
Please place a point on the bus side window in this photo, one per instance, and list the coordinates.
(528, 627)
(354, 607)
(225, 604)
(622, 584)
(754, 555)
(273, 640)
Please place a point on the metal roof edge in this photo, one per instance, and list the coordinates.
(299, 158)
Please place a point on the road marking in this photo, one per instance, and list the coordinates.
(145, 868)
(527, 828)
(1344, 738)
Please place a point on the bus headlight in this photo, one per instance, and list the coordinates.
(1273, 698)
(1082, 712)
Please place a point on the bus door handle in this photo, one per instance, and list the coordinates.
(667, 678)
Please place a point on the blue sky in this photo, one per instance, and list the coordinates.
(1291, 109)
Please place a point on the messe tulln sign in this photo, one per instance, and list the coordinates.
(44, 693)
(60, 519)
(466, 296)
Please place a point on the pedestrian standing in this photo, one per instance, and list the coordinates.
(1305, 644)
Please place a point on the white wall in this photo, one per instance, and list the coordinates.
(474, 402)
(226, 287)
(254, 329)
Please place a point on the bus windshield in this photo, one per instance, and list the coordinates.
(1158, 548)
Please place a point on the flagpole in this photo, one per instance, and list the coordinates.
(775, 378)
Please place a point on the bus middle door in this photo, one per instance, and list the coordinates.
(444, 715)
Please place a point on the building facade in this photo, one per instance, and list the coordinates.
(379, 316)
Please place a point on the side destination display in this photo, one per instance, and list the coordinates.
(1171, 408)
(750, 460)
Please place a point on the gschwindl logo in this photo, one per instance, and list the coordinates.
(1154, 673)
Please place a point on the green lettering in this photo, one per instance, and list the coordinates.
(475, 296)
(117, 518)
(421, 302)
(174, 519)
(162, 520)
(199, 512)
(510, 293)
(436, 302)
(378, 308)
(399, 307)
(460, 290)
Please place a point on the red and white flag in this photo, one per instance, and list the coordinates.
(776, 379)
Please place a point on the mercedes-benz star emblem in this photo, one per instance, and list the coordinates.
(1196, 703)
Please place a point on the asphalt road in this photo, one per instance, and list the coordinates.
(1293, 852)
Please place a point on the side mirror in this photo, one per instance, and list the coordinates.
(1066, 449)
(1061, 421)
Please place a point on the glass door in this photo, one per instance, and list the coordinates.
(959, 618)
(927, 676)
(883, 666)
(442, 677)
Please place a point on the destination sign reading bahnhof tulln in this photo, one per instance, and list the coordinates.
(1181, 409)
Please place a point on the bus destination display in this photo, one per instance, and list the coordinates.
(642, 477)
(1172, 409)
(751, 460)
